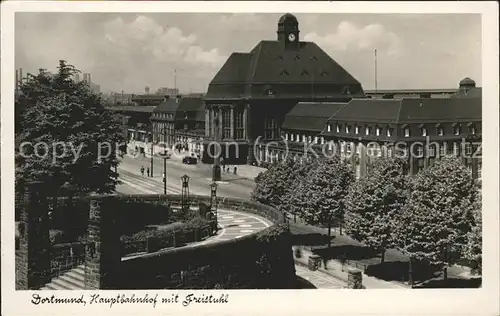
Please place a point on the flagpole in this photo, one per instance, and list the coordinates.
(376, 87)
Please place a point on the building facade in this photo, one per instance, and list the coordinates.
(249, 97)
(180, 121)
(419, 130)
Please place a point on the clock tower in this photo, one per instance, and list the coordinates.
(288, 31)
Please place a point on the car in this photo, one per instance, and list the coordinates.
(188, 160)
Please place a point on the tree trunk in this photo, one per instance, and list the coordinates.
(445, 273)
(382, 256)
(340, 228)
(410, 273)
(329, 234)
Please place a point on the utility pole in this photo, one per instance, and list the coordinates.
(376, 83)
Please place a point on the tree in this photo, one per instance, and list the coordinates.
(272, 187)
(320, 199)
(473, 248)
(434, 223)
(373, 202)
(64, 116)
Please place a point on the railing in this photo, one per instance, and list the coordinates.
(65, 257)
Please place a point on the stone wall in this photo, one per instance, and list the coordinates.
(261, 260)
(64, 257)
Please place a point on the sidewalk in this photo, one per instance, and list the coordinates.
(334, 269)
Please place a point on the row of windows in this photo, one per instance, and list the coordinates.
(389, 131)
(163, 115)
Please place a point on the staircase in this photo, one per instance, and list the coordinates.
(71, 280)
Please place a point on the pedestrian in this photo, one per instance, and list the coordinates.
(142, 170)
(147, 171)
(234, 171)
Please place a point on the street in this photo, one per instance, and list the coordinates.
(200, 178)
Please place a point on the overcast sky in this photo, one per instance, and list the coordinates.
(130, 51)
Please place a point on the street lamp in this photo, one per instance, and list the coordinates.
(152, 151)
(185, 191)
(213, 200)
(164, 165)
(216, 175)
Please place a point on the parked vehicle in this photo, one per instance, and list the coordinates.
(189, 160)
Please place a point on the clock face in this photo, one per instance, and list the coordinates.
(291, 37)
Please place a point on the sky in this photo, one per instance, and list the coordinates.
(127, 52)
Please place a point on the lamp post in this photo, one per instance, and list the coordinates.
(185, 191)
(164, 165)
(213, 200)
(152, 154)
(216, 175)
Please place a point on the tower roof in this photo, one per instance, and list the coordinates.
(288, 17)
(467, 82)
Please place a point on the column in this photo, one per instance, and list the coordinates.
(33, 256)
(353, 153)
(207, 122)
(362, 160)
(221, 124)
(103, 251)
(245, 110)
(232, 121)
(426, 156)
(212, 122)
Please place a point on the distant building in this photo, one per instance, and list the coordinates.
(167, 91)
(146, 90)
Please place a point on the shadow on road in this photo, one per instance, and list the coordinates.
(451, 283)
(399, 271)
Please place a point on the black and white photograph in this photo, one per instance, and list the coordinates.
(173, 157)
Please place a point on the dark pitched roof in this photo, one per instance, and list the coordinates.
(411, 110)
(470, 93)
(131, 108)
(370, 110)
(307, 70)
(168, 106)
(191, 104)
(310, 116)
(456, 110)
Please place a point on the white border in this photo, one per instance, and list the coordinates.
(482, 301)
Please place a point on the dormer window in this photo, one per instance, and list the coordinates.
(424, 131)
(297, 57)
(269, 92)
(284, 73)
(338, 128)
(440, 131)
(324, 73)
(407, 132)
(377, 131)
(456, 130)
(472, 129)
(347, 129)
(280, 57)
(367, 130)
(347, 90)
(328, 127)
(356, 130)
(304, 72)
(313, 58)
(389, 132)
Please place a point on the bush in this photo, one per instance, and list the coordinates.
(56, 236)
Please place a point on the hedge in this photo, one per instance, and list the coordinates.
(174, 235)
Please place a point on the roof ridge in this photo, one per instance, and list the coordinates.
(256, 62)
(399, 111)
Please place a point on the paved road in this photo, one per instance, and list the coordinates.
(234, 224)
(200, 178)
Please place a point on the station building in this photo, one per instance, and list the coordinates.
(248, 99)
